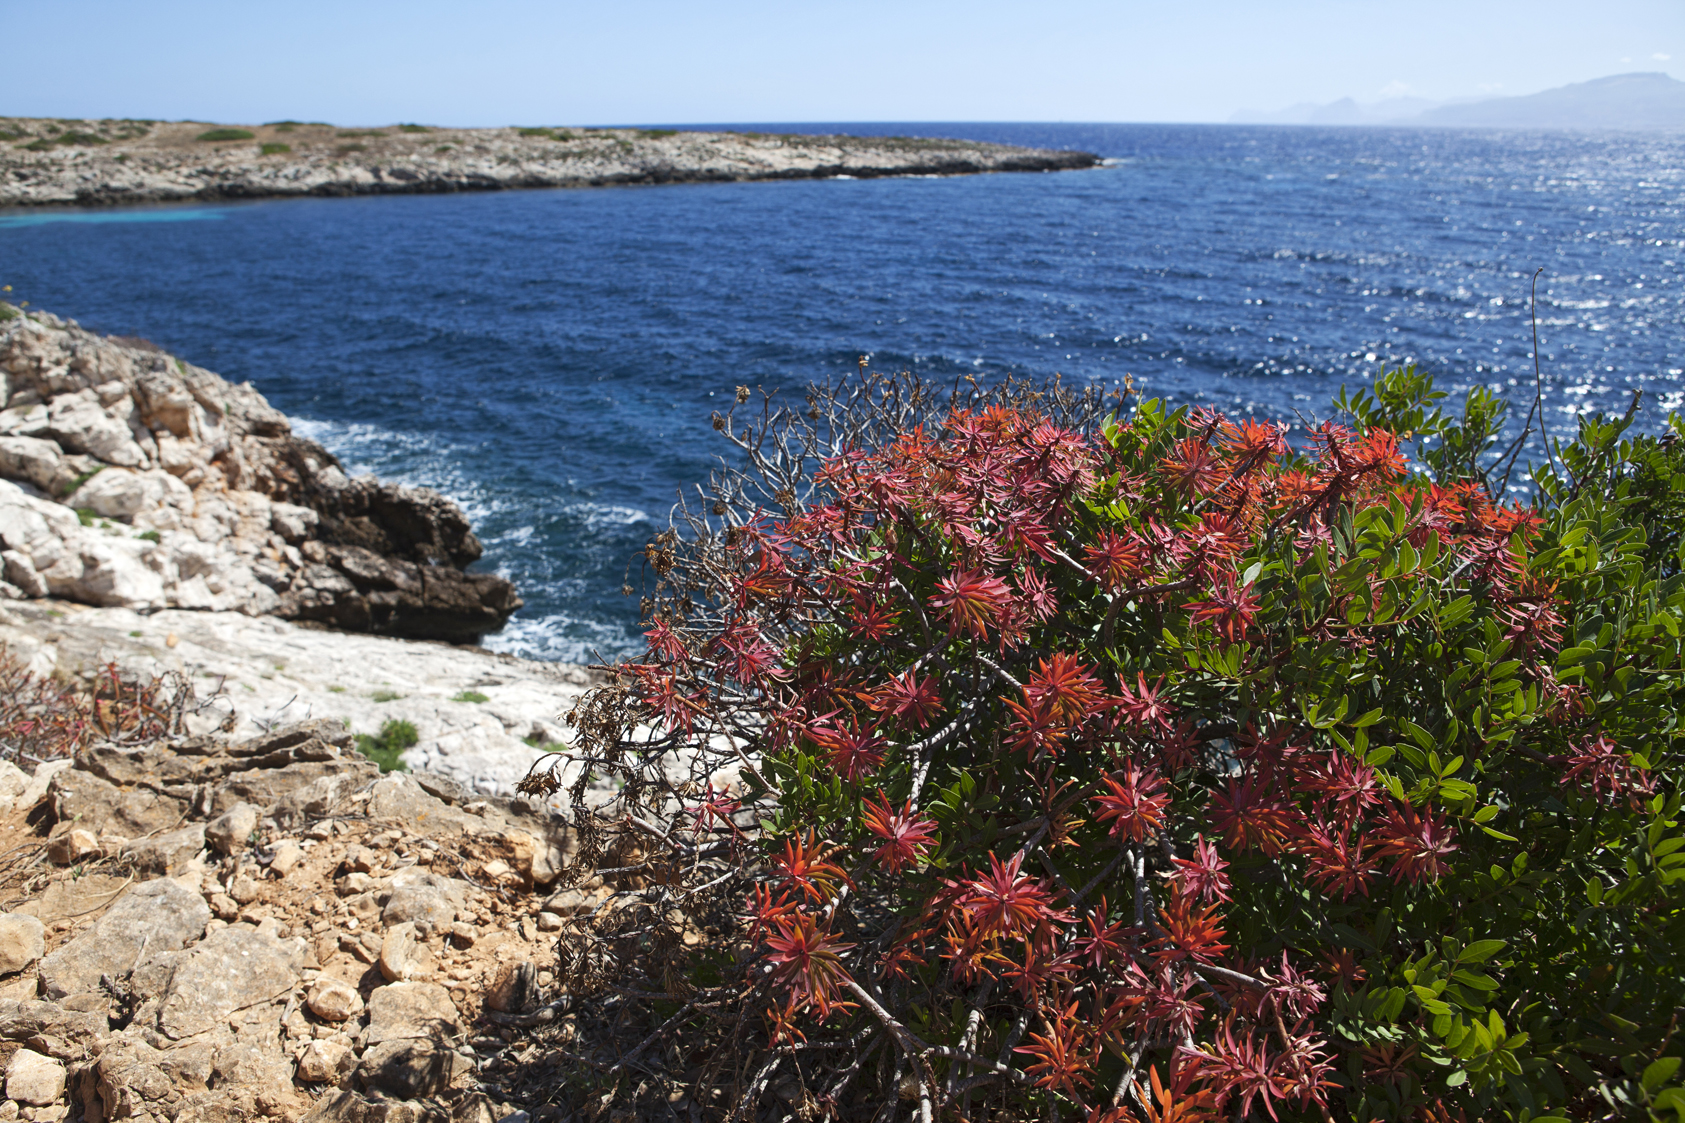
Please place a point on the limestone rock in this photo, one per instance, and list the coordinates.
(325, 1062)
(14, 781)
(164, 855)
(22, 942)
(424, 898)
(75, 845)
(333, 1001)
(399, 1011)
(288, 854)
(233, 829)
(402, 956)
(408, 1069)
(206, 500)
(230, 970)
(34, 1079)
(65, 1034)
(152, 917)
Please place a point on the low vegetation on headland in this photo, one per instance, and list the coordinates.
(46, 161)
(1093, 760)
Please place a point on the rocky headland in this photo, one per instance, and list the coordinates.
(132, 479)
(48, 161)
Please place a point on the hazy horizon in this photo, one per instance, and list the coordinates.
(519, 61)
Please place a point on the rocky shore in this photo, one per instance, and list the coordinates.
(132, 479)
(46, 161)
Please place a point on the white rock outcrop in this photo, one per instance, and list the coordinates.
(130, 478)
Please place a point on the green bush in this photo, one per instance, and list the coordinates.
(348, 149)
(385, 749)
(40, 145)
(1085, 754)
(386, 696)
(414, 129)
(149, 536)
(226, 134)
(533, 132)
(82, 139)
(657, 134)
(470, 696)
(276, 149)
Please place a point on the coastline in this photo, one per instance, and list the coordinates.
(46, 162)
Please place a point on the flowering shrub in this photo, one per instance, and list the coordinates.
(1005, 758)
(42, 719)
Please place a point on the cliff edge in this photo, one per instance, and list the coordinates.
(129, 478)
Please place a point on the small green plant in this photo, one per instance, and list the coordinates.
(7, 134)
(386, 748)
(7, 312)
(443, 148)
(470, 696)
(83, 139)
(657, 134)
(134, 635)
(283, 126)
(348, 149)
(344, 133)
(86, 516)
(77, 483)
(535, 741)
(275, 148)
(214, 135)
(336, 690)
(533, 132)
(563, 135)
(55, 614)
(414, 129)
(148, 536)
(386, 696)
(42, 145)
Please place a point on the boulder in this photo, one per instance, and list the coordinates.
(22, 942)
(232, 969)
(35, 461)
(332, 1000)
(410, 1069)
(14, 781)
(165, 855)
(400, 1011)
(402, 955)
(233, 829)
(152, 917)
(34, 1079)
(325, 1062)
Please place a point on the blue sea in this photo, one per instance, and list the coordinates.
(550, 358)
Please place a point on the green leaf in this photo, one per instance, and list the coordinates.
(1480, 951)
(1659, 1072)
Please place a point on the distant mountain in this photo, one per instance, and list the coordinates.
(1346, 111)
(1651, 101)
(1624, 101)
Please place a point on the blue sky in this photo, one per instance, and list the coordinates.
(654, 61)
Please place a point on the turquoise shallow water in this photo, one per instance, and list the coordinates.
(550, 358)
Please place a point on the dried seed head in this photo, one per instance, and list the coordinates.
(742, 394)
